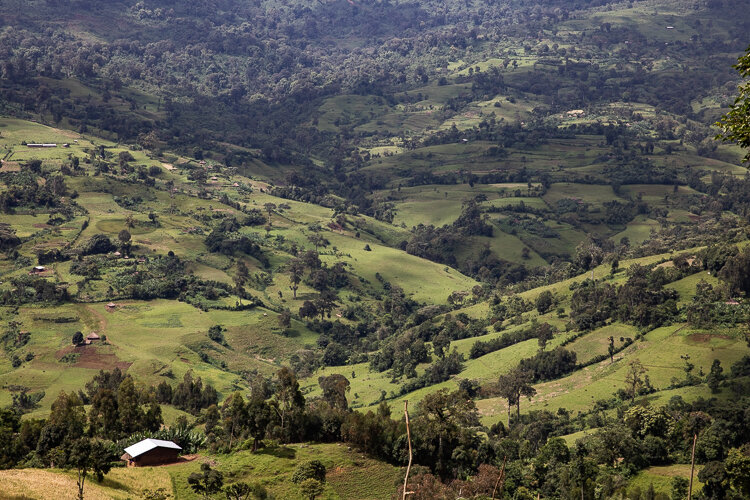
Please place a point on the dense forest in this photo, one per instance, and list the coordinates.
(257, 229)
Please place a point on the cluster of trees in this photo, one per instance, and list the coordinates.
(226, 239)
(642, 300)
(446, 434)
(507, 339)
(22, 189)
(190, 395)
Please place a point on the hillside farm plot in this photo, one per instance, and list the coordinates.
(659, 352)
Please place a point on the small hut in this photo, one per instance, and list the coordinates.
(38, 269)
(151, 452)
(92, 337)
(111, 306)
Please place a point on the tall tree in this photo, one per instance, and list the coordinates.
(296, 270)
(128, 402)
(66, 422)
(443, 416)
(235, 417)
(104, 416)
(513, 386)
(89, 456)
(543, 335)
(335, 388)
(258, 418)
(289, 399)
(634, 379)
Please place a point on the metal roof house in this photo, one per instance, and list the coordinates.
(151, 452)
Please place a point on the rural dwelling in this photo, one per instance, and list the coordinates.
(151, 452)
(35, 145)
(38, 269)
(92, 337)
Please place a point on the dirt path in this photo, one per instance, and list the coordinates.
(99, 318)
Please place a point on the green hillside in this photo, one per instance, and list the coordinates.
(260, 229)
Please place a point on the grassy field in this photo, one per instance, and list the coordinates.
(659, 352)
(163, 338)
(349, 475)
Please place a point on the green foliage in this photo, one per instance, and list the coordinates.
(191, 395)
(735, 125)
(311, 488)
(243, 491)
(85, 455)
(216, 333)
(312, 469)
(207, 482)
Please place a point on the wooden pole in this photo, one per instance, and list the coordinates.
(692, 466)
(500, 478)
(408, 437)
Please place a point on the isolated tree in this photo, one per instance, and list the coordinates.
(78, 338)
(583, 470)
(130, 221)
(216, 333)
(128, 401)
(124, 237)
(296, 270)
(207, 482)
(243, 274)
(513, 386)
(312, 469)
(88, 456)
(611, 349)
(270, 207)
(318, 240)
(65, 424)
(634, 379)
(285, 319)
(735, 125)
(543, 335)
(679, 488)
(715, 376)
(736, 272)
(615, 266)
(688, 369)
(544, 302)
(308, 310)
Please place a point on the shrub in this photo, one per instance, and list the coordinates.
(312, 469)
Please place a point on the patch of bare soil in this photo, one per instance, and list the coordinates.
(90, 358)
(706, 337)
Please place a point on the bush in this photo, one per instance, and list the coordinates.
(99, 243)
(312, 469)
